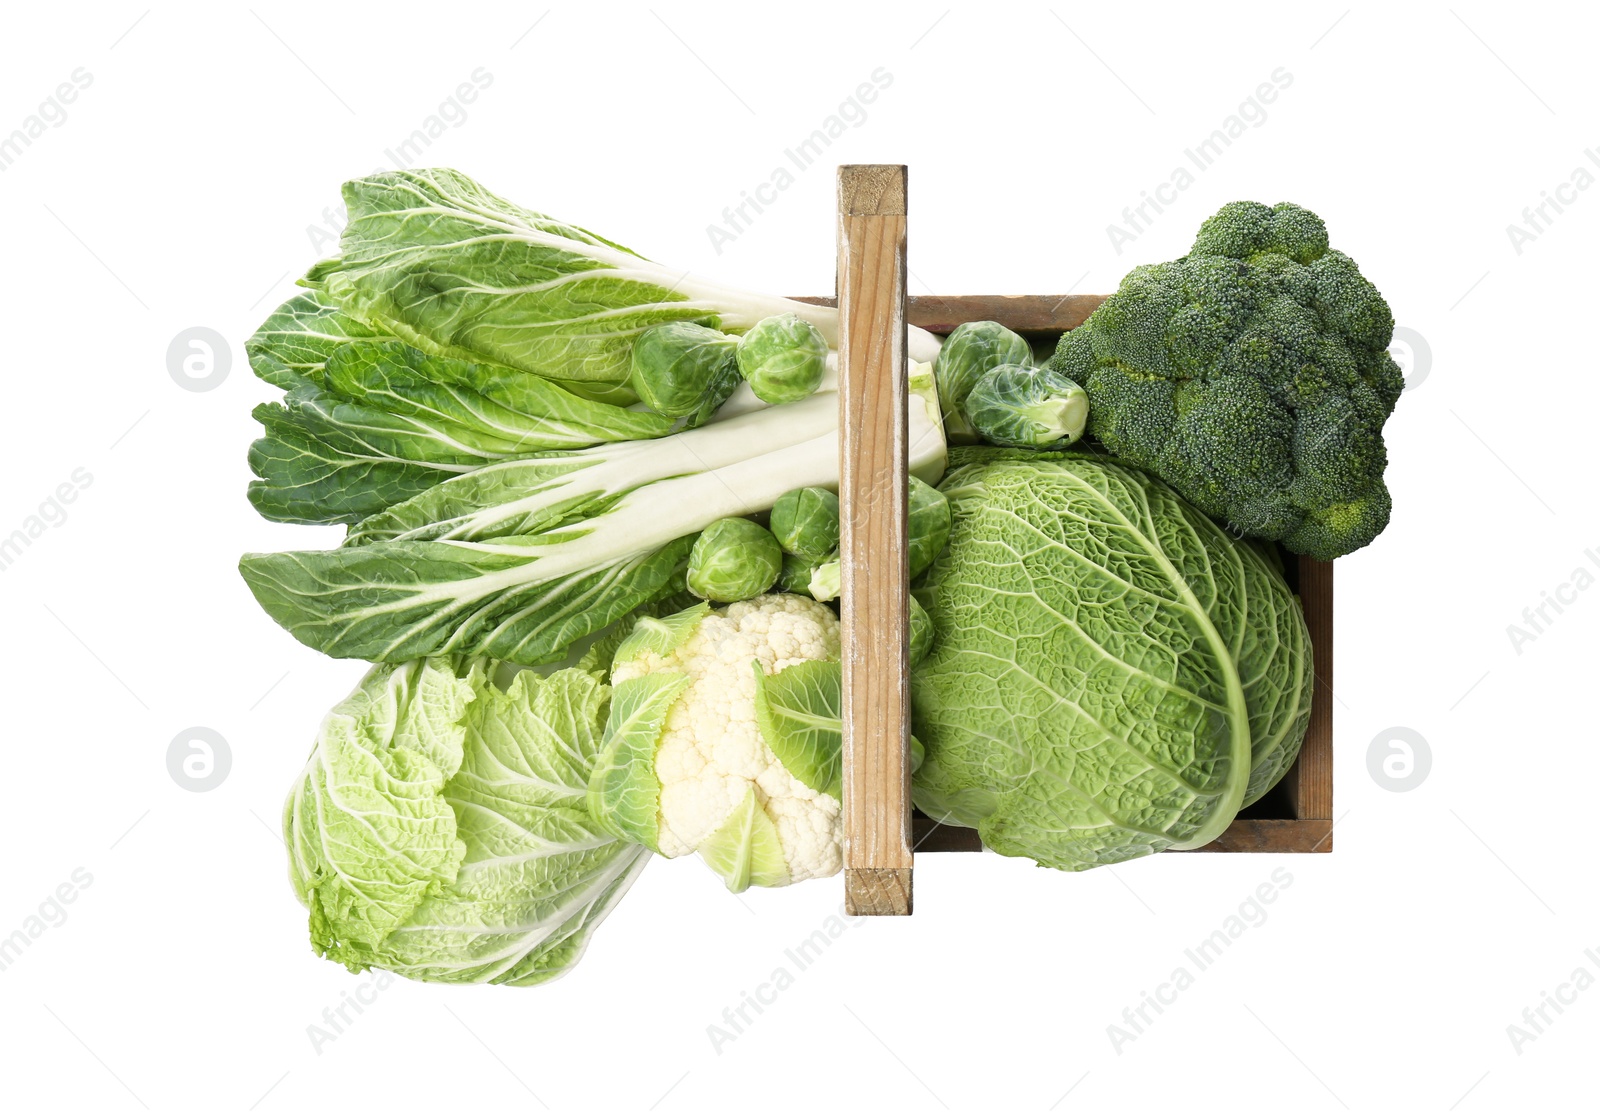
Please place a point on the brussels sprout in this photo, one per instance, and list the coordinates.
(733, 559)
(1021, 406)
(825, 578)
(928, 528)
(721, 386)
(684, 369)
(796, 575)
(806, 523)
(783, 357)
(928, 525)
(921, 632)
(972, 350)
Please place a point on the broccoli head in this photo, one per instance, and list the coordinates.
(1254, 376)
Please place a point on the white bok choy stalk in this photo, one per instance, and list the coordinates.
(522, 559)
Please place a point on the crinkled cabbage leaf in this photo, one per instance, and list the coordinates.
(439, 830)
(1112, 673)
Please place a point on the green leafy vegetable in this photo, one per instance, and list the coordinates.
(824, 583)
(624, 795)
(432, 258)
(733, 559)
(747, 850)
(927, 525)
(660, 635)
(798, 710)
(921, 633)
(1253, 376)
(806, 523)
(1113, 674)
(684, 369)
(972, 350)
(440, 831)
(519, 560)
(796, 575)
(783, 357)
(379, 422)
(295, 342)
(1023, 406)
(928, 528)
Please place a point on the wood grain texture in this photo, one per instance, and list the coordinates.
(1025, 314)
(874, 581)
(1303, 836)
(1310, 780)
(1283, 836)
(872, 189)
(877, 892)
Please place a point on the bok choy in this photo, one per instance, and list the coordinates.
(377, 421)
(439, 262)
(521, 559)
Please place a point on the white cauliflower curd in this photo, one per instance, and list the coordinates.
(721, 791)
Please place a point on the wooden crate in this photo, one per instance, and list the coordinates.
(1295, 816)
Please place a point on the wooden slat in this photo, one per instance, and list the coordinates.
(1027, 314)
(1275, 835)
(1310, 780)
(928, 835)
(874, 581)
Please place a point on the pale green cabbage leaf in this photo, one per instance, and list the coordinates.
(294, 343)
(439, 830)
(798, 710)
(378, 422)
(434, 259)
(1112, 674)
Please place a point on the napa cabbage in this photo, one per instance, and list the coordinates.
(440, 831)
(437, 260)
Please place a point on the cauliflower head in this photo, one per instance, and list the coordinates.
(684, 766)
(1253, 376)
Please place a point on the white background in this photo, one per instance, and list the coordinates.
(181, 190)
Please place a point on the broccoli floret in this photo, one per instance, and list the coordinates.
(1253, 375)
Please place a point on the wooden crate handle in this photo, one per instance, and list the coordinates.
(874, 581)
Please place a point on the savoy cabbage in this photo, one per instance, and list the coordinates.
(1112, 674)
